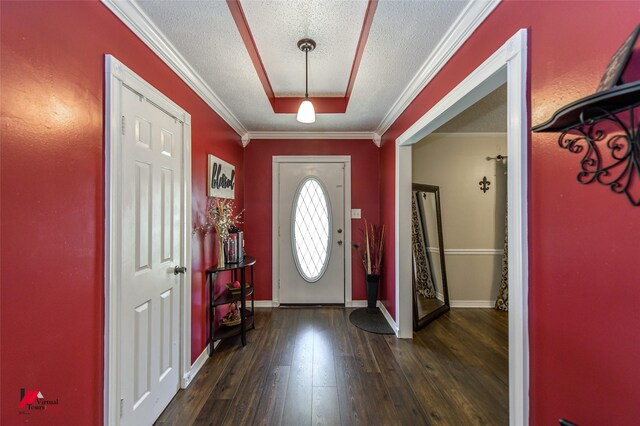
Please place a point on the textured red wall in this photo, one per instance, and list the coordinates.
(584, 288)
(258, 165)
(388, 217)
(52, 205)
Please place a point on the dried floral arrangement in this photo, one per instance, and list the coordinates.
(220, 217)
(371, 253)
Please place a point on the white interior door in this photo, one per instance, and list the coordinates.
(311, 233)
(150, 248)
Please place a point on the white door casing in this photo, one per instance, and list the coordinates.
(147, 331)
(290, 174)
(508, 65)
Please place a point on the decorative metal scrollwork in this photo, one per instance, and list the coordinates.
(611, 151)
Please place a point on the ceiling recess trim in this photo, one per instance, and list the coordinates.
(247, 38)
(289, 104)
(313, 135)
(469, 19)
(138, 22)
(362, 42)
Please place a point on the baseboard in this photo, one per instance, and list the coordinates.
(196, 366)
(474, 252)
(270, 304)
(473, 303)
(388, 317)
(263, 303)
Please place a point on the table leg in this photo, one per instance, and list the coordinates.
(243, 310)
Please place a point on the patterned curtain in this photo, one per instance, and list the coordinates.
(502, 302)
(421, 266)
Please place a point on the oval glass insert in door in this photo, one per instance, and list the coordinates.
(311, 229)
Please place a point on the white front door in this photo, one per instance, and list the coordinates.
(311, 233)
(151, 248)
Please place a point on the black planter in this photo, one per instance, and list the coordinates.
(373, 283)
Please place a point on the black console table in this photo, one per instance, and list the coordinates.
(238, 272)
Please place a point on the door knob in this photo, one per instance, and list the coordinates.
(339, 231)
(339, 242)
(179, 270)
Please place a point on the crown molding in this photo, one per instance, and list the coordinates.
(466, 23)
(142, 26)
(138, 22)
(313, 135)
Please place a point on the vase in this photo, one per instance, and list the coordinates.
(220, 252)
(373, 283)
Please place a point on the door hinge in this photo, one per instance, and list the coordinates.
(121, 406)
(123, 125)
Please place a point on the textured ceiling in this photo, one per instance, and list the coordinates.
(402, 36)
(488, 115)
(278, 25)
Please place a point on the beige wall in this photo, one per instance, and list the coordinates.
(472, 221)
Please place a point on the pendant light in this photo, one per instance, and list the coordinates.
(306, 112)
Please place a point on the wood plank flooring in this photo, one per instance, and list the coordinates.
(304, 366)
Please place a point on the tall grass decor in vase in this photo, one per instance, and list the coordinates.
(370, 252)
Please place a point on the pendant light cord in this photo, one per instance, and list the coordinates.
(306, 73)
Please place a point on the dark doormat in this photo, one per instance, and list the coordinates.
(373, 322)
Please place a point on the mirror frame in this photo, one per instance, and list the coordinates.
(418, 323)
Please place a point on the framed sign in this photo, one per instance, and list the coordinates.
(618, 62)
(222, 178)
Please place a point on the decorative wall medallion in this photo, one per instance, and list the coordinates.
(484, 184)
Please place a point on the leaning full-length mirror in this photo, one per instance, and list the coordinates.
(430, 294)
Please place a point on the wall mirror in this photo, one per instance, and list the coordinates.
(430, 294)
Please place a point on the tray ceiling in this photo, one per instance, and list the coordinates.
(407, 43)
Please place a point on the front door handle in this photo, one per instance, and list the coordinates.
(179, 270)
(339, 242)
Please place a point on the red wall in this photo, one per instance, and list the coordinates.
(388, 217)
(584, 288)
(258, 165)
(52, 205)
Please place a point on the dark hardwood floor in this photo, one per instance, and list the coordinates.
(305, 366)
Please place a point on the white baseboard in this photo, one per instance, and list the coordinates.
(473, 303)
(196, 366)
(474, 252)
(263, 304)
(387, 316)
(270, 304)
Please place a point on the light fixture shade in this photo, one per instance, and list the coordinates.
(306, 113)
